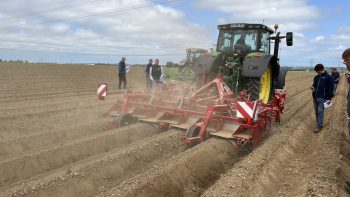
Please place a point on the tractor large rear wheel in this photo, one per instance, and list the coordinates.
(261, 87)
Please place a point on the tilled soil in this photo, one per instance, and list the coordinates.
(100, 172)
(187, 174)
(37, 161)
(294, 161)
(54, 141)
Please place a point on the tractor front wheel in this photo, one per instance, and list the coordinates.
(261, 87)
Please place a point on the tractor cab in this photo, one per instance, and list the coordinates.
(194, 53)
(241, 38)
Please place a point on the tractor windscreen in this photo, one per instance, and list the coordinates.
(192, 56)
(238, 40)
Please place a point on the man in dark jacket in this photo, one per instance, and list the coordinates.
(147, 70)
(336, 78)
(122, 73)
(322, 92)
(346, 61)
(156, 73)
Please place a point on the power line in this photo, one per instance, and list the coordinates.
(107, 12)
(48, 10)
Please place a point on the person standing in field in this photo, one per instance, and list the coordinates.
(346, 61)
(147, 71)
(122, 73)
(156, 73)
(322, 92)
(336, 78)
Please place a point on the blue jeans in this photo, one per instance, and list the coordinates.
(319, 110)
(335, 88)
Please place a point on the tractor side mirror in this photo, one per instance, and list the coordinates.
(289, 38)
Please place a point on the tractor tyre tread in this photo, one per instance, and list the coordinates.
(253, 86)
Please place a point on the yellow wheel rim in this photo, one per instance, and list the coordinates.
(265, 86)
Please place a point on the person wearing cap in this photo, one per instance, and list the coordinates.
(147, 71)
(336, 77)
(322, 92)
(156, 73)
(122, 73)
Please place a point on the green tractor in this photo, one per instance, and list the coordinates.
(243, 57)
(192, 55)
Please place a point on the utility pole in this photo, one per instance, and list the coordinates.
(338, 62)
(311, 62)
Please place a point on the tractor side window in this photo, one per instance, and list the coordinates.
(225, 41)
(188, 56)
(192, 56)
(265, 44)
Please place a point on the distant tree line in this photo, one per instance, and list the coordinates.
(14, 61)
(171, 64)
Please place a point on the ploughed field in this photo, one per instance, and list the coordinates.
(54, 141)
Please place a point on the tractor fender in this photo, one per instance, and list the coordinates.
(255, 67)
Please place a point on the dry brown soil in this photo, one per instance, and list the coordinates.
(54, 141)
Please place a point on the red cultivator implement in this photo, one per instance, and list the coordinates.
(212, 110)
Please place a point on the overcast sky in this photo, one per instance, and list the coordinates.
(91, 31)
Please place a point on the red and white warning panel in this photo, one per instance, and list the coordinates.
(247, 110)
(101, 90)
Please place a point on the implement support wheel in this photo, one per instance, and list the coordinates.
(193, 131)
(124, 119)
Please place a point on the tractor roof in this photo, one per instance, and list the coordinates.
(244, 26)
